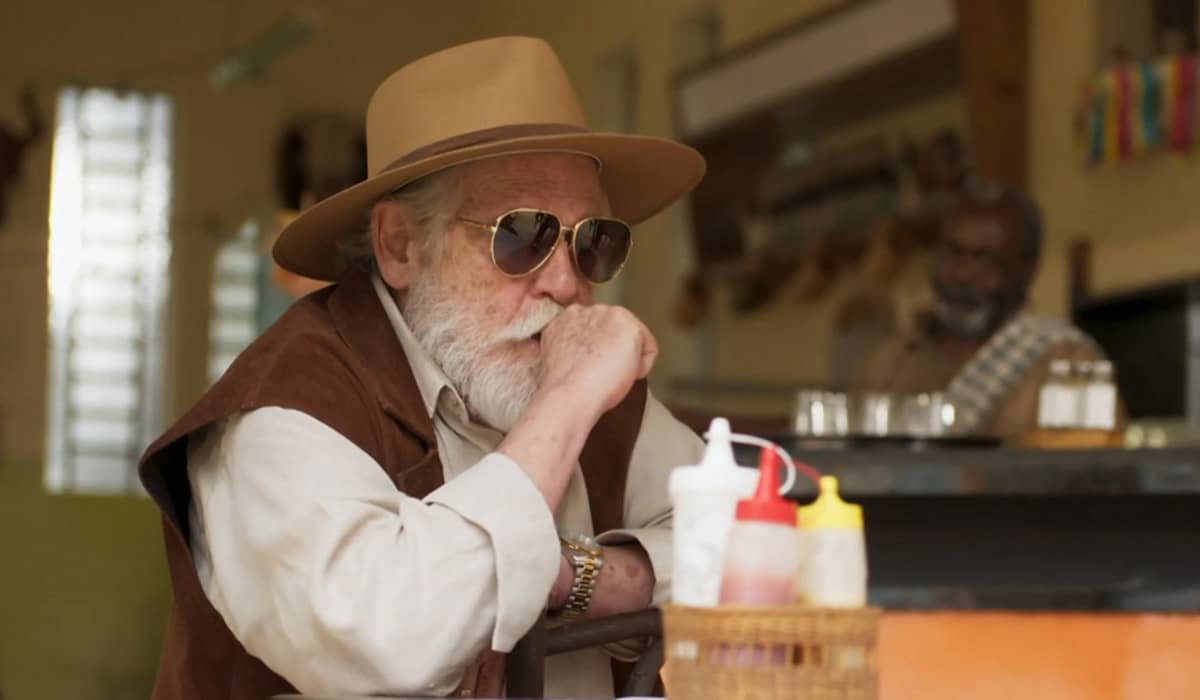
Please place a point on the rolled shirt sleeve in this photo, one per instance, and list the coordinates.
(342, 584)
(511, 528)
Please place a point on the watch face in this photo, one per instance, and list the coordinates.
(586, 542)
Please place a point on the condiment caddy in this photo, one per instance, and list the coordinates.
(779, 610)
(1077, 407)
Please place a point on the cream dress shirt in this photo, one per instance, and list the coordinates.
(342, 584)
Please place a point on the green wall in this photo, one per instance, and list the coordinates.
(83, 592)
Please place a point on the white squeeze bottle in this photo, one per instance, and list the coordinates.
(704, 498)
(833, 572)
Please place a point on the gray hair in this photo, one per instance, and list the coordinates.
(432, 202)
(995, 193)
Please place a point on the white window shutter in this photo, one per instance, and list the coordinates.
(109, 253)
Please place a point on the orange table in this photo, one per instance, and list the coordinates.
(1039, 656)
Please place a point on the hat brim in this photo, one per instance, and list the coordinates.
(641, 176)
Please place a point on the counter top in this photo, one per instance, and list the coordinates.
(1014, 529)
(931, 470)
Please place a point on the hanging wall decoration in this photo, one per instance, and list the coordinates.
(14, 144)
(1133, 109)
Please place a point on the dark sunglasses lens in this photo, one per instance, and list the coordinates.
(523, 240)
(601, 246)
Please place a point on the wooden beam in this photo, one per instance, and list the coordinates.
(994, 39)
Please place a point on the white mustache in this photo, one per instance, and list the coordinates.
(533, 323)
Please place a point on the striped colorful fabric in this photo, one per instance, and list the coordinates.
(1137, 109)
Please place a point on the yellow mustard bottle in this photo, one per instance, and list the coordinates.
(833, 555)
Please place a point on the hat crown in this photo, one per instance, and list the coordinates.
(480, 86)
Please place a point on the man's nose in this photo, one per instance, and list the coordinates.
(958, 270)
(558, 278)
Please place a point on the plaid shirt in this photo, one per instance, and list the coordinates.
(983, 383)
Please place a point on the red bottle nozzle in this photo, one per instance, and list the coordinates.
(767, 505)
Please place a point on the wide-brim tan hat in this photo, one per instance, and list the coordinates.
(488, 98)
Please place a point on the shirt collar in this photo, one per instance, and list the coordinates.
(431, 380)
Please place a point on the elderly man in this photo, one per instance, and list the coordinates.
(391, 486)
(977, 343)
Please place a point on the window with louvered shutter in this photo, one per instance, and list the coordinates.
(108, 256)
(236, 300)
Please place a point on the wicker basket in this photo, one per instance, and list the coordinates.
(800, 653)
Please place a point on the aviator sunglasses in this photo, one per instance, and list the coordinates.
(524, 239)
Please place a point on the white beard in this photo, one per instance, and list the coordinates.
(969, 323)
(496, 389)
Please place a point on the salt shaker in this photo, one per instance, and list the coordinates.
(1057, 405)
(1100, 398)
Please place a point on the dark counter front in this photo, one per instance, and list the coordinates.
(1000, 529)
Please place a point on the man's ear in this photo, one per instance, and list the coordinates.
(396, 250)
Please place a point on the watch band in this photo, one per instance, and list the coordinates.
(587, 557)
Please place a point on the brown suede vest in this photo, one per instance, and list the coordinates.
(334, 356)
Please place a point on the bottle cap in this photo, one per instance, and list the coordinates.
(829, 510)
(717, 471)
(767, 505)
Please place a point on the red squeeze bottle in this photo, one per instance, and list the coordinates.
(762, 558)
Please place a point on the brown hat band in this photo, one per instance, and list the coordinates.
(474, 138)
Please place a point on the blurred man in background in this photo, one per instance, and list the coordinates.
(977, 342)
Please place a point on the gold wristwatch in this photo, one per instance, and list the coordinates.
(587, 556)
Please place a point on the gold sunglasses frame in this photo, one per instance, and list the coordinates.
(573, 230)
